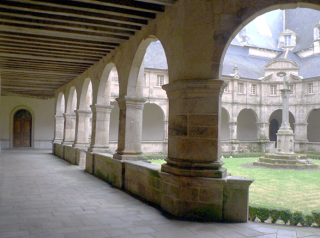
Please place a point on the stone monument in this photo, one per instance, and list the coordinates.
(285, 157)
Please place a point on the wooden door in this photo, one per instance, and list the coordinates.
(22, 129)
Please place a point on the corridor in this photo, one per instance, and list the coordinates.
(44, 196)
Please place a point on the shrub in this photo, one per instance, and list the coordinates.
(308, 220)
(262, 213)
(297, 217)
(252, 213)
(316, 217)
(274, 214)
(285, 215)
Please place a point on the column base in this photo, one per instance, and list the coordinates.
(208, 199)
(194, 172)
(129, 157)
(57, 141)
(67, 143)
(82, 146)
(102, 149)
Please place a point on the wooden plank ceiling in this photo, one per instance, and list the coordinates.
(45, 44)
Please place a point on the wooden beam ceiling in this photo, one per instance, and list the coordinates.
(46, 44)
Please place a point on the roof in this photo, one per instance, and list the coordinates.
(301, 21)
(155, 57)
(248, 66)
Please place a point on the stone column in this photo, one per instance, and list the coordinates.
(233, 127)
(69, 130)
(285, 136)
(100, 128)
(130, 129)
(193, 145)
(263, 131)
(301, 132)
(58, 128)
(82, 128)
(165, 130)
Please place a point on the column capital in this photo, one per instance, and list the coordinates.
(83, 112)
(233, 123)
(58, 117)
(300, 124)
(69, 115)
(131, 102)
(193, 88)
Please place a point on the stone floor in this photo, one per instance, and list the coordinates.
(43, 196)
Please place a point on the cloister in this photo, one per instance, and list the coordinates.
(195, 36)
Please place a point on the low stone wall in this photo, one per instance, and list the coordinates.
(58, 150)
(247, 147)
(223, 199)
(307, 147)
(69, 154)
(108, 169)
(148, 147)
(143, 180)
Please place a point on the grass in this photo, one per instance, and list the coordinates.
(291, 189)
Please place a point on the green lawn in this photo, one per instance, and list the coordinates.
(295, 190)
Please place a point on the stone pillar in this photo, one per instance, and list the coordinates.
(285, 136)
(193, 145)
(82, 128)
(301, 132)
(100, 128)
(58, 128)
(233, 131)
(69, 130)
(165, 130)
(263, 131)
(194, 185)
(130, 129)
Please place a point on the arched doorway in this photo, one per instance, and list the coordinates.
(273, 129)
(313, 129)
(22, 123)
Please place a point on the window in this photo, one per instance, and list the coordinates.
(160, 80)
(287, 40)
(273, 90)
(253, 89)
(240, 88)
(226, 89)
(115, 79)
(310, 88)
(290, 86)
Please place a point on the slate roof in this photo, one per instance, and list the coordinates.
(248, 66)
(301, 21)
(155, 57)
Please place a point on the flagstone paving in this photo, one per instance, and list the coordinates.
(44, 196)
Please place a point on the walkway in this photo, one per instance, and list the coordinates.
(43, 196)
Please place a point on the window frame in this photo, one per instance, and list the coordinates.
(310, 88)
(160, 81)
(273, 90)
(240, 88)
(253, 89)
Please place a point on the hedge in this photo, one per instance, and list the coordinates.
(285, 215)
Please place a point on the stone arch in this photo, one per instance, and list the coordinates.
(60, 105)
(246, 128)
(71, 104)
(106, 82)
(313, 128)
(153, 125)
(85, 99)
(135, 80)
(225, 118)
(13, 112)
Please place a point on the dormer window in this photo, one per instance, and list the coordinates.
(287, 40)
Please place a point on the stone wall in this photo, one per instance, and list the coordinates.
(186, 197)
